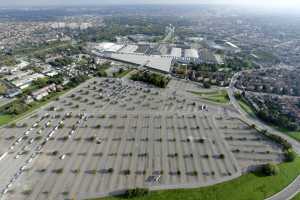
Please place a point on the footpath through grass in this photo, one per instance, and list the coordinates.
(218, 96)
(253, 186)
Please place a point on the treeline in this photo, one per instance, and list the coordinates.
(75, 81)
(61, 62)
(149, 21)
(238, 64)
(270, 113)
(273, 116)
(100, 70)
(287, 147)
(42, 82)
(235, 64)
(18, 106)
(15, 108)
(151, 78)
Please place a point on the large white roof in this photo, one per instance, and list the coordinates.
(161, 63)
(129, 49)
(191, 53)
(176, 52)
(109, 46)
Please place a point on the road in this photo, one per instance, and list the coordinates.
(291, 190)
(259, 124)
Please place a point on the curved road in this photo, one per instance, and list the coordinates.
(257, 122)
(291, 190)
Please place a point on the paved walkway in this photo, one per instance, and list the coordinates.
(289, 192)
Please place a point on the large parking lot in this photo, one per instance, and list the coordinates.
(111, 134)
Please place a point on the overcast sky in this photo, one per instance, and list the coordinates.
(269, 3)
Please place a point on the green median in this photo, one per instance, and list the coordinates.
(217, 96)
(122, 73)
(247, 108)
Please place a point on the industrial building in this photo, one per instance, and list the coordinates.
(156, 62)
(153, 55)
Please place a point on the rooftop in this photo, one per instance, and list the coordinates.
(161, 63)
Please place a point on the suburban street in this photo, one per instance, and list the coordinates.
(291, 190)
(260, 125)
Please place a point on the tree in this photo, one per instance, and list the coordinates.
(298, 104)
(292, 126)
(270, 169)
(206, 85)
(151, 78)
(16, 108)
(110, 170)
(57, 79)
(238, 95)
(74, 81)
(137, 192)
(222, 156)
(290, 156)
(253, 126)
(101, 73)
(40, 82)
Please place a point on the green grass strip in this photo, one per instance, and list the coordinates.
(252, 186)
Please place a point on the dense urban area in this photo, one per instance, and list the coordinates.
(140, 102)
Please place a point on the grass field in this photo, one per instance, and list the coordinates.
(2, 88)
(218, 96)
(124, 73)
(297, 197)
(246, 108)
(4, 119)
(253, 186)
(293, 134)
